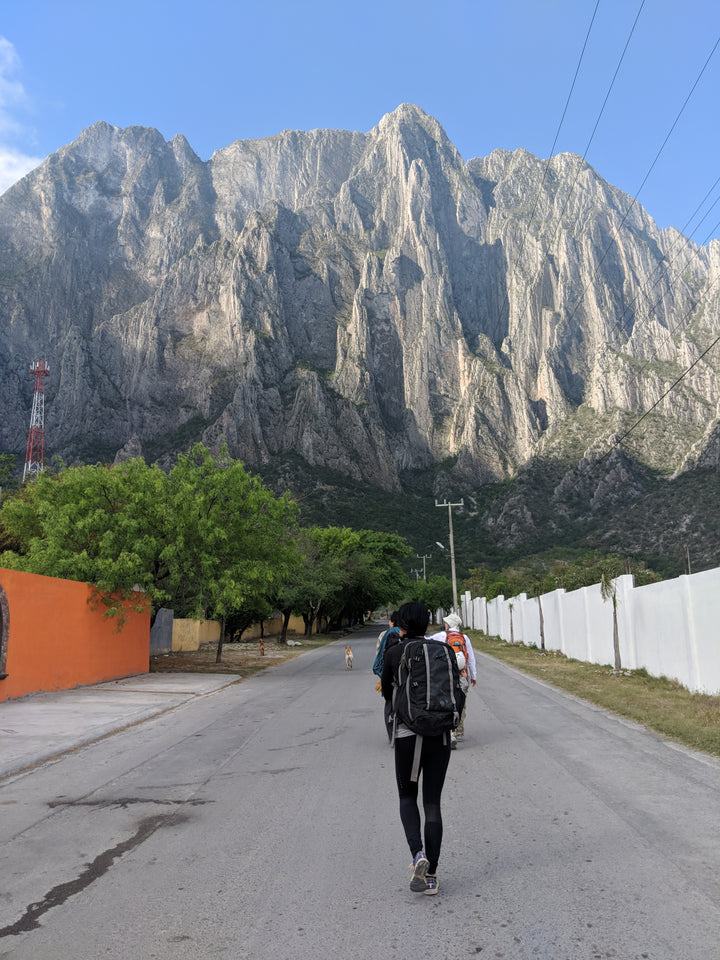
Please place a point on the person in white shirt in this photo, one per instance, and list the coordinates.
(452, 623)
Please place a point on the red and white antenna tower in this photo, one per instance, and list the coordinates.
(36, 438)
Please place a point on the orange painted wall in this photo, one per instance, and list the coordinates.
(56, 641)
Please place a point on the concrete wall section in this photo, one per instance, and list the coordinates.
(56, 640)
(161, 632)
(704, 613)
(191, 634)
(273, 628)
(671, 628)
(676, 629)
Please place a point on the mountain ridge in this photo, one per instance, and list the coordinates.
(370, 302)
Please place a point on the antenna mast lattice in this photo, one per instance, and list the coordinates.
(36, 437)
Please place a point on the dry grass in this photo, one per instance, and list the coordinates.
(243, 659)
(658, 703)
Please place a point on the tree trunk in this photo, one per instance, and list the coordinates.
(286, 622)
(542, 625)
(218, 655)
(310, 618)
(616, 636)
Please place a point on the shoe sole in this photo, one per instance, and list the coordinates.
(418, 884)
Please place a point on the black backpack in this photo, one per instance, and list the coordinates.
(428, 698)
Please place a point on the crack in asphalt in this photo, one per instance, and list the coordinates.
(93, 871)
(125, 802)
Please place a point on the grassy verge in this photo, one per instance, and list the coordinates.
(660, 704)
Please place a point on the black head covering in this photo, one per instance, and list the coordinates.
(413, 617)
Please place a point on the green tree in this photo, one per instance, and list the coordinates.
(7, 471)
(317, 579)
(379, 578)
(587, 569)
(207, 536)
(434, 593)
(341, 569)
(493, 583)
(8, 487)
(608, 591)
(232, 541)
(95, 524)
(343, 573)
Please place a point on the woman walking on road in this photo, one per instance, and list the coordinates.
(412, 622)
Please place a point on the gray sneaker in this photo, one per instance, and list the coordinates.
(420, 863)
(432, 886)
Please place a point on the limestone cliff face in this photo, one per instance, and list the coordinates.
(368, 301)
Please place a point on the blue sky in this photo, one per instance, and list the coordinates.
(494, 74)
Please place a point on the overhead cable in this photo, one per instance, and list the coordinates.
(554, 144)
(634, 199)
(617, 440)
(587, 147)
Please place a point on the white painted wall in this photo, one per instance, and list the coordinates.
(671, 628)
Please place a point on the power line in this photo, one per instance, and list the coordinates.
(581, 161)
(627, 213)
(669, 390)
(693, 256)
(554, 144)
(677, 118)
(664, 265)
(612, 82)
(619, 439)
(645, 178)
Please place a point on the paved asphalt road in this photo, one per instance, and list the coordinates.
(260, 822)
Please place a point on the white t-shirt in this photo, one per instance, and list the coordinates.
(472, 672)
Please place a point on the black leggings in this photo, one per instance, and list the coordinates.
(434, 761)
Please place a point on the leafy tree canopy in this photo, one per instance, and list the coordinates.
(7, 472)
(434, 593)
(344, 573)
(543, 574)
(206, 535)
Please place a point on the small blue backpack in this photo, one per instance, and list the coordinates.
(377, 667)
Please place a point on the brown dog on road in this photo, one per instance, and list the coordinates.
(348, 658)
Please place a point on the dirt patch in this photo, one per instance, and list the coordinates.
(243, 659)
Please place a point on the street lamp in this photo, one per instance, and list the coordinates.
(456, 608)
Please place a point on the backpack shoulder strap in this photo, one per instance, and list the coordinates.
(415, 772)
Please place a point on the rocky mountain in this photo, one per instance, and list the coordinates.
(366, 303)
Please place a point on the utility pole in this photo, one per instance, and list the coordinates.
(456, 607)
(424, 557)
